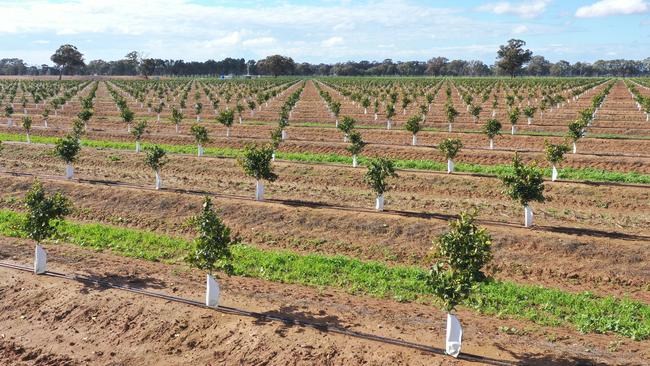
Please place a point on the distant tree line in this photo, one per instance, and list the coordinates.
(512, 60)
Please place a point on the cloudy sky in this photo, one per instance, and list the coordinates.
(325, 31)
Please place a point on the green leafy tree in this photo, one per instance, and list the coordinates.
(450, 148)
(256, 162)
(577, 130)
(356, 146)
(390, 113)
(211, 247)
(529, 112)
(451, 113)
(198, 108)
(85, 115)
(491, 129)
(45, 114)
(156, 158)
(67, 58)
(414, 125)
(512, 56)
(177, 117)
(335, 107)
(226, 118)
(78, 128)
(9, 110)
(346, 126)
(138, 132)
(460, 254)
(127, 117)
(475, 111)
(276, 139)
(27, 126)
(201, 137)
(68, 149)
(524, 184)
(555, 155)
(42, 212)
(379, 170)
(513, 117)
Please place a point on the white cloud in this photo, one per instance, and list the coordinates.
(613, 7)
(332, 42)
(527, 9)
(41, 41)
(520, 29)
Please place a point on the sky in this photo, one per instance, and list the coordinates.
(325, 31)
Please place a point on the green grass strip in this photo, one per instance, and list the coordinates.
(585, 311)
(585, 174)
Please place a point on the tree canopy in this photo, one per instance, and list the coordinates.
(512, 56)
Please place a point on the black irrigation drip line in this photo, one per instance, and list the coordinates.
(276, 318)
(310, 204)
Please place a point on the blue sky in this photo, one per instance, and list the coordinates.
(325, 31)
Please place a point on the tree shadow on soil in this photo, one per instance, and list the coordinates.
(292, 316)
(541, 359)
(98, 282)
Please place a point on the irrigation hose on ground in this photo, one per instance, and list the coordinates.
(282, 319)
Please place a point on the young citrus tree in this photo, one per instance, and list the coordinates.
(525, 184)
(177, 117)
(226, 118)
(127, 117)
(379, 170)
(45, 114)
(475, 111)
(576, 132)
(9, 110)
(413, 125)
(529, 112)
(346, 126)
(40, 222)
(198, 108)
(460, 254)
(138, 132)
(390, 113)
(27, 126)
(256, 162)
(200, 136)
(78, 128)
(68, 149)
(356, 146)
(555, 155)
(211, 249)
(491, 129)
(451, 113)
(513, 116)
(156, 158)
(276, 139)
(450, 148)
(335, 107)
(85, 115)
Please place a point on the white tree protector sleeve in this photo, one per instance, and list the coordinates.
(454, 336)
(212, 292)
(259, 191)
(379, 204)
(40, 260)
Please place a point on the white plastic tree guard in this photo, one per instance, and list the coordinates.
(415, 140)
(259, 191)
(10, 122)
(69, 171)
(273, 156)
(554, 174)
(284, 134)
(389, 124)
(40, 260)
(454, 336)
(450, 128)
(379, 203)
(158, 180)
(450, 166)
(199, 150)
(137, 146)
(45, 123)
(491, 144)
(212, 292)
(355, 162)
(513, 130)
(530, 120)
(528, 216)
(575, 148)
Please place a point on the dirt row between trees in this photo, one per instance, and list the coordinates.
(88, 324)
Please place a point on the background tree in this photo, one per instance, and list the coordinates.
(27, 126)
(200, 136)
(450, 148)
(226, 118)
(147, 67)
(68, 149)
(356, 146)
(460, 256)
(512, 56)
(379, 170)
(491, 129)
(524, 184)
(413, 125)
(138, 132)
(256, 162)
(276, 65)
(156, 158)
(554, 155)
(67, 58)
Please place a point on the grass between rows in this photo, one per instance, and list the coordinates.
(586, 174)
(550, 307)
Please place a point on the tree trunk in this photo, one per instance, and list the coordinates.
(176, 128)
(45, 122)
(530, 120)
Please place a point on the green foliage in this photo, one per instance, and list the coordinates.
(139, 130)
(256, 162)
(461, 254)
(78, 128)
(356, 143)
(276, 137)
(414, 124)
(492, 128)
(9, 110)
(200, 134)
(67, 148)
(513, 115)
(42, 210)
(27, 123)
(127, 115)
(525, 183)
(211, 247)
(529, 111)
(156, 157)
(576, 130)
(450, 112)
(85, 115)
(347, 124)
(450, 147)
(177, 116)
(555, 153)
(335, 107)
(379, 170)
(226, 117)
(512, 56)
